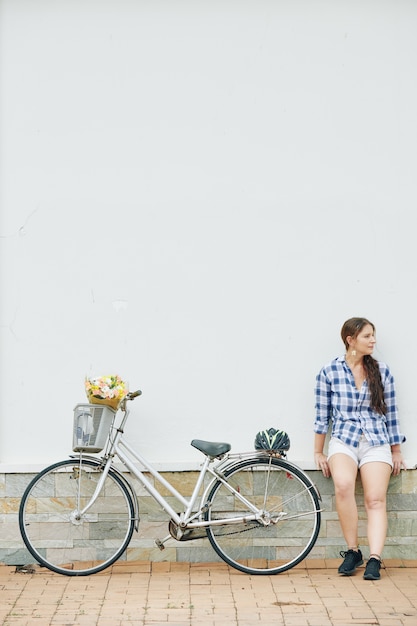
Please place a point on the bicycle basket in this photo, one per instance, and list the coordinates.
(92, 425)
(272, 440)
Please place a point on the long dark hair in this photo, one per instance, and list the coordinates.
(351, 328)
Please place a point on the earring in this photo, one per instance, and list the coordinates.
(353, 353)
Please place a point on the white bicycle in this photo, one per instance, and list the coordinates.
(260, 512)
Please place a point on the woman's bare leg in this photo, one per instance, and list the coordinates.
(375, 479)
(344, 472)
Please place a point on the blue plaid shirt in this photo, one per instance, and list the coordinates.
(337, 399)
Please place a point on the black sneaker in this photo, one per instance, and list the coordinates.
(372, 569)
(352, 559)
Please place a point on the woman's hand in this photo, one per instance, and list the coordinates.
(397, 462)
(322, 464)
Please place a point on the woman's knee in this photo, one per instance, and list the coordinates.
(344, 490)
(375, 502)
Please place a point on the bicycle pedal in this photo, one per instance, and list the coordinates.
(161, 542)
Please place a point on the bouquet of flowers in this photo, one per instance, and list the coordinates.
(109, 390)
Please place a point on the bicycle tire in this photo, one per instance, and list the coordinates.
(290, 504)
(53, 534)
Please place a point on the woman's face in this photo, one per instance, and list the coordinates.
(364, 342)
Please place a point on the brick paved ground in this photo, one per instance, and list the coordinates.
(211, 594)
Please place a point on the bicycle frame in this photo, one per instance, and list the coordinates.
(119, 448)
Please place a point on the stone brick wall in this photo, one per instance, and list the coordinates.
(401, 540)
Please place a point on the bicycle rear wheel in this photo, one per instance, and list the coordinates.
(54, 532)
(290, 521)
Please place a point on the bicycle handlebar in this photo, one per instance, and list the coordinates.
(134, 394)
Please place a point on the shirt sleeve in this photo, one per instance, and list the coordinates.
(323, 403)
(392, 421)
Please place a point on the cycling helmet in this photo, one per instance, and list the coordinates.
(273, 440)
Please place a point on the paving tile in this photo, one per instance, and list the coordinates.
(183, 594)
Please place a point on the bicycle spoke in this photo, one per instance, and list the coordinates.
(289, 516)
(62, 538)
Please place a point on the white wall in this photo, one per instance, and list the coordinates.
(196, 195)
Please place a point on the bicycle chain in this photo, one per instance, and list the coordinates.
(236, 532)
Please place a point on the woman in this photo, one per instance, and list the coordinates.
(357, 393)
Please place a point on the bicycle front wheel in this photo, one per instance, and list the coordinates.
(289, 523)
(58, 536)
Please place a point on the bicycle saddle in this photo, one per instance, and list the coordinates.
(211, 448)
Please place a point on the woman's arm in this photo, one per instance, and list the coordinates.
(319, 457)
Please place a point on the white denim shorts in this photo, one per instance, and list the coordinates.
(363, 453)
